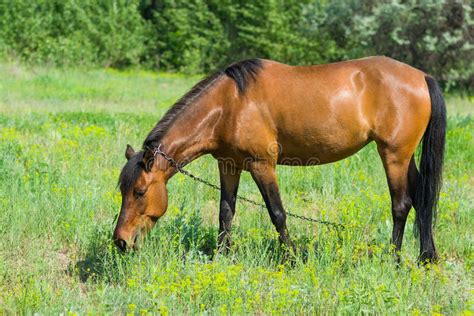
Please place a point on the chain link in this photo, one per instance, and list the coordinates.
(172, 162)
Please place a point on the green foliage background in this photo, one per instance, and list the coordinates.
(199, 36)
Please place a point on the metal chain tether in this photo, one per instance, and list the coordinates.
(179, 168)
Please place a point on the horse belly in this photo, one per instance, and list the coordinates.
(323, 136)
(294, 154)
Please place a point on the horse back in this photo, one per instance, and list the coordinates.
(328, 112)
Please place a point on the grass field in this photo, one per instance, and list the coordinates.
(62, 140)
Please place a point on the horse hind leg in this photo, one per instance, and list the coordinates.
(428, 249)
(397, 166)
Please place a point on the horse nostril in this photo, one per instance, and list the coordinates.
(121, 244)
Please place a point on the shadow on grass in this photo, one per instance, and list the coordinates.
(104, 262)
(101, 261)
(270, 251)
(183, 237)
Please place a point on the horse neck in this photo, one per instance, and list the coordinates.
(194, 132)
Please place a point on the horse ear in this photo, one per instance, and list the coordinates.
(129, 152)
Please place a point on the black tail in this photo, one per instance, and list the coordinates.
(431, 165)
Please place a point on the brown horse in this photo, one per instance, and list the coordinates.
(256, 114)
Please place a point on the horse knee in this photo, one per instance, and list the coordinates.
(279, 219)
(226, 214)
(401, 208)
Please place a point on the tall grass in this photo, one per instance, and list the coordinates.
(62, 141)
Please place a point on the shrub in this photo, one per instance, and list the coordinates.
(66, 32)
(197, 36)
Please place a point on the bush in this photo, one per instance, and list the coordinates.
(108, 33)
(187, 36)
(287, 31)
(197, 36)
(435, 36)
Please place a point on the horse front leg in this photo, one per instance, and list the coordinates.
(229, 178)
(264, 175)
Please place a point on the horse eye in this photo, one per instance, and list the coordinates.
(139, 193)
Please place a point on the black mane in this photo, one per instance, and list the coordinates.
(131, 171)
(170, 116)
(242, 73)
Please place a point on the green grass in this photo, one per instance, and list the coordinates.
(62, 141)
